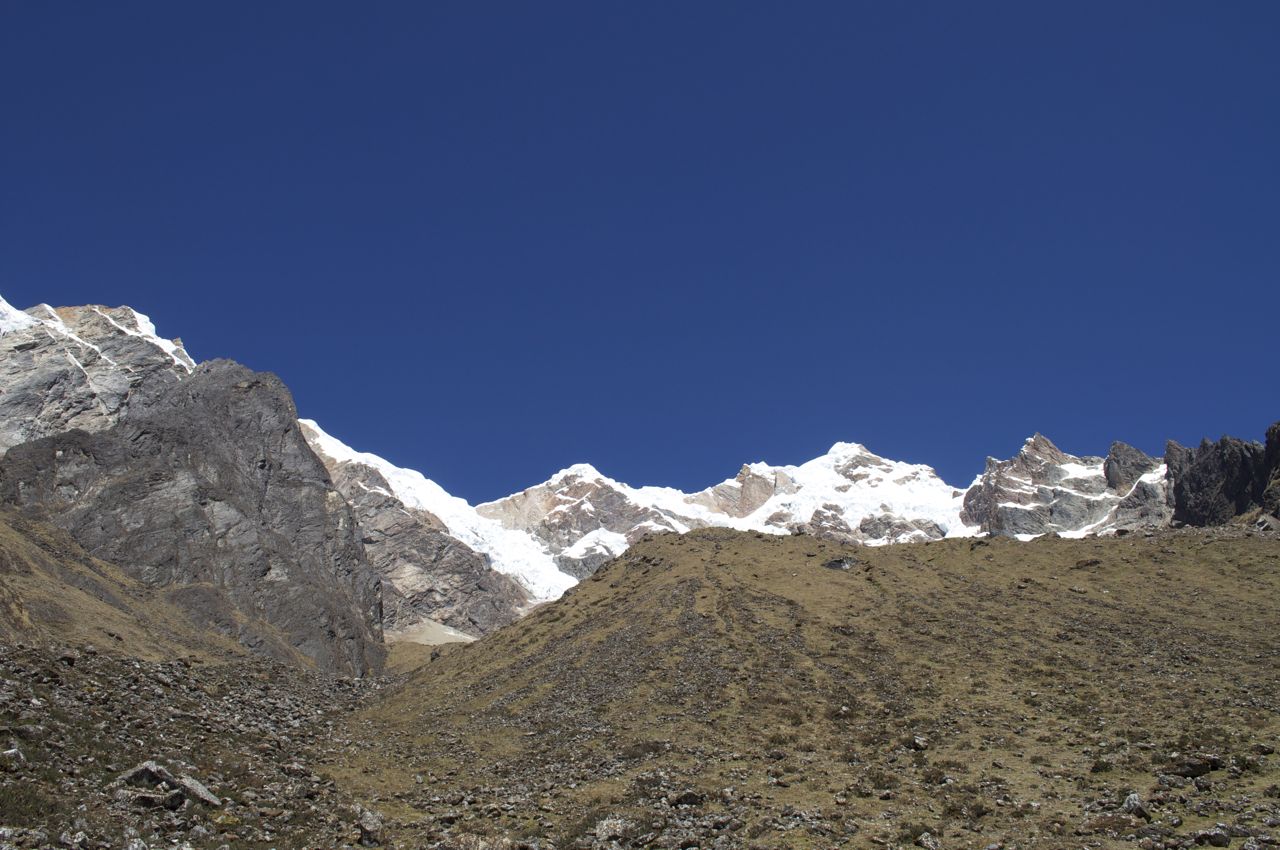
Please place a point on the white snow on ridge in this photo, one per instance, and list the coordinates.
(12, 319)
(145, 329)
(1080, 470)
(510, 552)
(43, 315)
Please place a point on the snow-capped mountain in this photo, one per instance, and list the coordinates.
(548, 536)
(474, 568)
(583, 517)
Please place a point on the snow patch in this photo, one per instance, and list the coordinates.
(13, 319)
(602, 539)
(1080, 470)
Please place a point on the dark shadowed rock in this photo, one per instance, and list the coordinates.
(1271, 495)
(209, 483)
(1215, 482)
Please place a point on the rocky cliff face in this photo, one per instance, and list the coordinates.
(1215, 482)
(208, 483)
(77, 367)
(1271, 460)
(428, 574)
(1045, 490)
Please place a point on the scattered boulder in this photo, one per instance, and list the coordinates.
(927, 841)
(11, 759)
(1134, 805)
(1215, 837)
(613, 828)
(150, 774)
(370, 825)
(1192, 766)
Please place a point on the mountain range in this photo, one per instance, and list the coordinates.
(203, 476)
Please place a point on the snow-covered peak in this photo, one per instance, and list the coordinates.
(584, 471)
(847, 450)
(580, 515)
(855, 484)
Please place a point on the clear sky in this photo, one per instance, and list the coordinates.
(488, 240)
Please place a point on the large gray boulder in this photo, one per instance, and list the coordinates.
(208, 483)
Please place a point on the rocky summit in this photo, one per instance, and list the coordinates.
(77, 367)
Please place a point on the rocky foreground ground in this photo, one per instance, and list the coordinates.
(104, 751)
(715, 690)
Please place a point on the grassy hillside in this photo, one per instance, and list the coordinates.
(727, 689)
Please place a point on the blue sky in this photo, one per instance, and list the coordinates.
(488, 240)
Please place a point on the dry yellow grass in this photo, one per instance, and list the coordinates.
(1045, 681)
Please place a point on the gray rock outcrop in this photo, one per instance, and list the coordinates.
(746, 492)
(1125, 465)
(208, 483)
(1271, 460)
